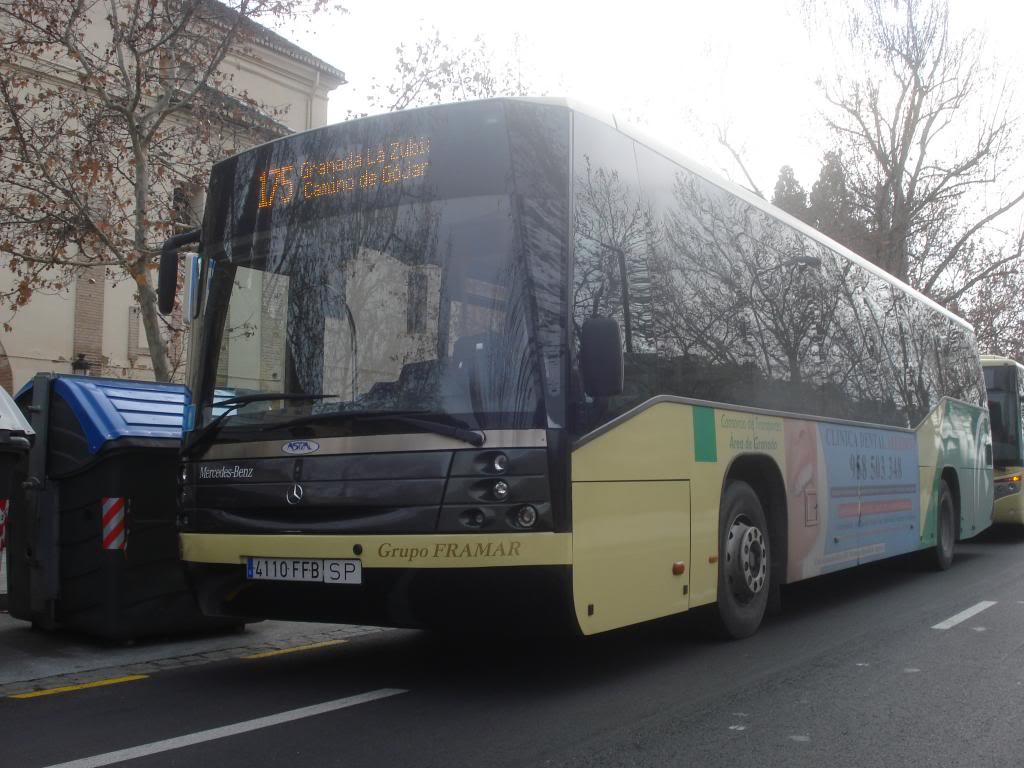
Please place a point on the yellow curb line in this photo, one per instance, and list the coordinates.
(66, 688)
(295, 649)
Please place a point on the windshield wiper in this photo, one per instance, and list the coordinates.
(232, 404)
(459, 430)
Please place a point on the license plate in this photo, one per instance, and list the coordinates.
(304, 569)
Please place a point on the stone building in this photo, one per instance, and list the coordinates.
(95, 325)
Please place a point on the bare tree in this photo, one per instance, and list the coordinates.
(111, 112)
(434, 71)
(929, 140)
(995, 311)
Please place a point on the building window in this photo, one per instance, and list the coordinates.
(136, 332)
(183, 215)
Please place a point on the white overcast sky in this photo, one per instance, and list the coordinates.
(677, 67)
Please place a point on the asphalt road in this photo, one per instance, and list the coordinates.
(852, 673)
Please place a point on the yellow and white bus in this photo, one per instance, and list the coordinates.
(508, 362)
(1004, 379)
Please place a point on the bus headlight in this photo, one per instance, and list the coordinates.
(500, 490)
(526, 517)
(1007, 486)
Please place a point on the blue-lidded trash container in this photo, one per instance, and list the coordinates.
(94, 543)
(15, 440)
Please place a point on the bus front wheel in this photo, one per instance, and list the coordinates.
(744, 561)
(945, 529)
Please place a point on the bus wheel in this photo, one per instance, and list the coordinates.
(744, 562)
(945, 529)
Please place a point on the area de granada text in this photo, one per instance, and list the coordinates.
(391, 162)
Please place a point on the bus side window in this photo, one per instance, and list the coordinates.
(1019, 402)
(611, 278)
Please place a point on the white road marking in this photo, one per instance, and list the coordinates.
(974, 610)
(800, 737)
(979, 629)
(911, 670)
(737, 727)
(863, 664)
(108, 758)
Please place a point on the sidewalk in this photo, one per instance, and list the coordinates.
(33, 659)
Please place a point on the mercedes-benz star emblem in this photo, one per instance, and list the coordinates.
(294, 495)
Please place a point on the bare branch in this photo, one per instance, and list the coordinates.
(723, 139)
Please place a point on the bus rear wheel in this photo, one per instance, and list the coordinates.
(744, 562)
(945, 529)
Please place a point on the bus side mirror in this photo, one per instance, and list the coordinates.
(601, 363)
(167, 281)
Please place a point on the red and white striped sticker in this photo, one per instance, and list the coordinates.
(4, 506)
(113, 522)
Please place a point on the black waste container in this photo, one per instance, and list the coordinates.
(94, 543)
(15, 440)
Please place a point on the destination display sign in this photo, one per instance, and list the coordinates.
(389, 163)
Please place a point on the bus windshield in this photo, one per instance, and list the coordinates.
(403, 308)
(1004, 410)
(405, 291)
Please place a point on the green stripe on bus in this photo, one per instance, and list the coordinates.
(705, 443)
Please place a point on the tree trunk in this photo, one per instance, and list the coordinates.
(140, 271)
(151, 322)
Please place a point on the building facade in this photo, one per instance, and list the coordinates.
(94, 324)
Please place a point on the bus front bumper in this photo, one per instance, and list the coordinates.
(1009, 509)
(478, 581)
